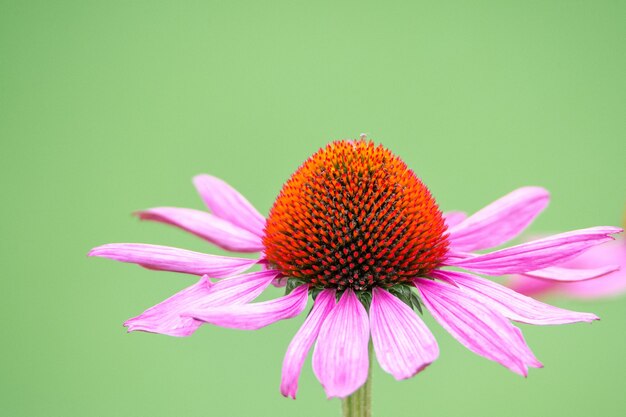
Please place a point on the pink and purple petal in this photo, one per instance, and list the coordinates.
(207, 226)
(302, 342)
(500, 221)
(253, 316)
(227, 203)
(165, 317)
(537, 254)
(483, 331)
(340, 356)
(165, 258)
(404, 346)
(510, 304)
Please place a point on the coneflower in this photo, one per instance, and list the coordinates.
(358, 231)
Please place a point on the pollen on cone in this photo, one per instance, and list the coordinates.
(354, 216)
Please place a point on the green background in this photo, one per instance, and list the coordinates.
(110, 107)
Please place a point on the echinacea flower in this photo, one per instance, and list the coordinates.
(612, 283)
(357, 230)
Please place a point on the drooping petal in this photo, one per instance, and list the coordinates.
(227, 203)
(165, 317)
(481, 330)
(556, 273)
(302, 342)
(404, 346)
(256, 315)
(206, 226)
(165, 258)
(500, 221)
(537, 254)
(452, 218)
(527, 355)
(510, 304)
(340, 357)
(611, 284)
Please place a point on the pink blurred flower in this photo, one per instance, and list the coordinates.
(356, 229)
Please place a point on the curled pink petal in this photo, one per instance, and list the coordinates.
(256, 315)
(404, 346)
(482, 330)
(340, 357)
(165, 258)
(165, 317)
(302, 342)
(611, 284)
(510, 304)
(227, 203)
(206, 226)
(537, 254)
(500, 221)
(452, 218)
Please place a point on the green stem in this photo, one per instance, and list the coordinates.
(359, 404)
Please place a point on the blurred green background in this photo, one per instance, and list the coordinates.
(110, 107)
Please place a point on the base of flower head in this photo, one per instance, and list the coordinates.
(404, 292)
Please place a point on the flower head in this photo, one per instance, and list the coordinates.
(359, 231)
(354, 216)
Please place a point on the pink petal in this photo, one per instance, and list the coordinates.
(239, 289)
(500, 221)
(165, 317)
(253, 316)
(453, 256)
(510, 304)
(302, 342)
(555, 273)
(452, 218)
(227, 203)
(165, 258)
(611, 284)
(481, 330)
(206, 226)
(537, 254)
(532, 287)
(340, 357)
(404, 346)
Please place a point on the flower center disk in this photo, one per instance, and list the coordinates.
(354, 216)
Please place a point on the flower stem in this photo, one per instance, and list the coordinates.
(359, 404)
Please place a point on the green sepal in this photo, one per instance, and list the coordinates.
(315, 291)
(406, 294)
(292, 284)
(417, 305)
(365, 297)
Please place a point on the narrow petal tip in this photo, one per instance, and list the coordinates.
(97, 251)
